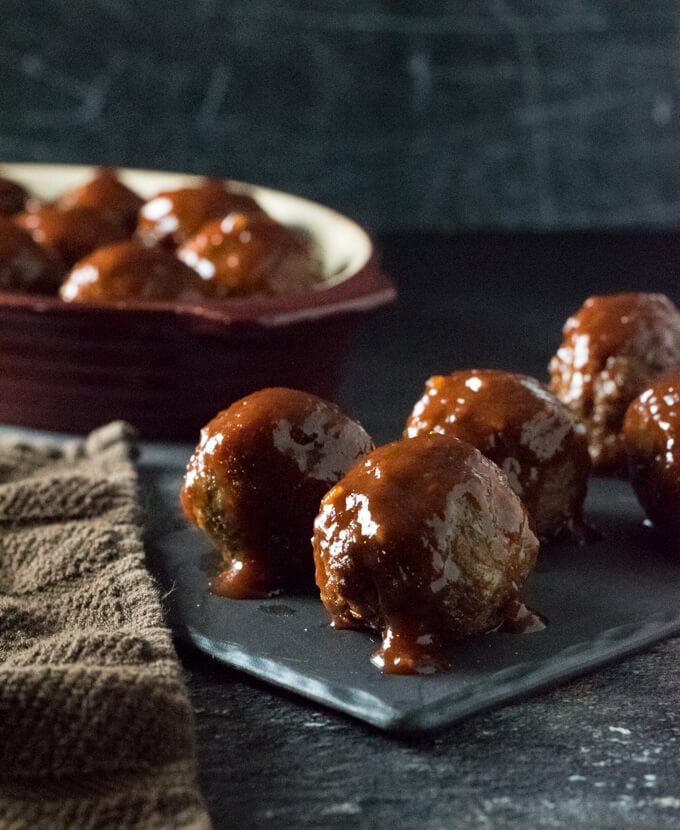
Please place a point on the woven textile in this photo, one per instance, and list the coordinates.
(96, 729)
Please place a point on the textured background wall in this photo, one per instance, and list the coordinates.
(492, 113)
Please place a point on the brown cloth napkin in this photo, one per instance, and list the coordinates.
(96, 729)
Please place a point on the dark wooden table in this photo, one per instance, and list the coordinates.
(599, 752)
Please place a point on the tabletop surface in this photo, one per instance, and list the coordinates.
(598, 752)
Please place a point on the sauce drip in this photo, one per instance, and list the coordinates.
(425, 543)
(255, 481)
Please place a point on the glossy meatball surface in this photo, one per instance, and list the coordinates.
(244, 254)
(425, 542)
(25, 265)
(130, 271)
(106, 193)
(70, 234)
(172, 217)
(651, 431)
(521, 426)
(255, 482)
(612, 349)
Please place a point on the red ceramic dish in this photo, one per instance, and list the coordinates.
(167, 368)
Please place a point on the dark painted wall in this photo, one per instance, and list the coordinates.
(510, 113)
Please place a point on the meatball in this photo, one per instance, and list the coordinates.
(70, 234)
(105, 192)
(25, 265)
(612, 349)
(651, 431)
(255, 482)
(425, 542)
(130, 270)
(172, 217)
(243, 254)
(521, 426)
(12, 197)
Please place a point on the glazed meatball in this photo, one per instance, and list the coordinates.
(69, 234)
(255, 482)
(106, 193)
(172, 217)
(128, 271)
(25, 265)
(521, 426)
(651, 432)
(425, 542)
(612, 349)
(12, 197)
(243, 254)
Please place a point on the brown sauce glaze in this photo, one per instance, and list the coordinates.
(612, 349)
(69, 234)
(171, 217)
(652, 437)
(424, 542)
(12, 197)
(255, 482)
(130, 271)
(25, 265)
(246, 253)
(106, 193)
(521, 426)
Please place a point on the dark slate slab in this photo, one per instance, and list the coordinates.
(602, 601)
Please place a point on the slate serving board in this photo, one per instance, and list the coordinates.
(602, 601)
